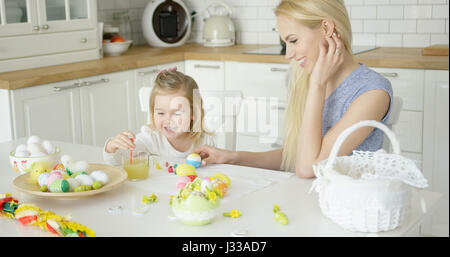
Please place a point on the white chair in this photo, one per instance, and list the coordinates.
(221, 109)
(397, 105)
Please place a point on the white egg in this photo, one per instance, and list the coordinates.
(38, 154)
(85, 179)
(73, 183)
(22, 154)
(35, 148)
(79, 166)
(21, 148)
(100, 175)
(34, 140)
(48, 146)
(66, 160)
(43, 178)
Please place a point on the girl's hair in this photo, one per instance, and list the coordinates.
(310, 13)
(170, 82)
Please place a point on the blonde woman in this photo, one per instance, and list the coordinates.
(328, 92)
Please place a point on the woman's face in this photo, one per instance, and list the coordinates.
(172, 115)
(302, 42)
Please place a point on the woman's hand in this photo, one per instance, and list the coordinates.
(330, 58)
(213, 155)
(124, 140)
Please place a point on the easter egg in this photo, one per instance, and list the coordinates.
(59, 186)
(223, 177)
(62, 172)
(59, 166)
(22, 154)
(185, 170)
(99, 175)
(48, 147)
(43, 178)
(21, 148)
(182, 181)
(206, 186)
(194, 160)
(73, 183)
(66, 160)
(85, 180)
(34, 140)
(97, 184)
(220, 187)
(53, 176)
(35, 148)
(82, 188)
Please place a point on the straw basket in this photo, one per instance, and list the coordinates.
(367, 191)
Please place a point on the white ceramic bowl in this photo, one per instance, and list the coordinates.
(22, 164)
(116, 48)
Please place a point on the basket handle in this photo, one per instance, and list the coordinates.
(366, 123)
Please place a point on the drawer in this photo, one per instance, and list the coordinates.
(407, 84)
(209, 75)
(52, 43)
(257, 144)
(257, 79)
(408, 131)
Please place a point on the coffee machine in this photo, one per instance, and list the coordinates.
(166, 23)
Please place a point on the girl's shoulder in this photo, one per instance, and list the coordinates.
(366, 77)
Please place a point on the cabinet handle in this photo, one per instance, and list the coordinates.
(143, 73)
(82, 84)
(45, 27)
(83, 40)
(278, 70)
(207, 66)
(389, 74)
(74, 85)
(90, 83)
(36, 28)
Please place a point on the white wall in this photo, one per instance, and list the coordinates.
(397, 23)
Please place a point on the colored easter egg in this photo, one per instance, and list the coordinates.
(43, 178)
(97, 184)
(99, 175)
(185, 169)
(85, 179)
(222, 177)
(194, 160)
(59, 186)
(82, 188)
(182, 181)
(53, 176)
(220, 187)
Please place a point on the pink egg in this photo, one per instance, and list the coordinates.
(182, 181)
(54, 176)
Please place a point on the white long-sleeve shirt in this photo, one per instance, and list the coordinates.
(154, 142)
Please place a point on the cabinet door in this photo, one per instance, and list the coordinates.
(50, 114)
(436, 147)
(66, 15)
(18, 17)
(209, 75)
(107, 106)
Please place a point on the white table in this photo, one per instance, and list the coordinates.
(253, 192)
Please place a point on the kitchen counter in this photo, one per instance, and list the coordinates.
(142, 56)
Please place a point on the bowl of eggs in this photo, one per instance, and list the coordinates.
(35, 150)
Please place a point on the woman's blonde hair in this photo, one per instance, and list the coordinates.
(171, 82)
(311, 13)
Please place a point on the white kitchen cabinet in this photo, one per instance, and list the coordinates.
(107, 106)
(436, 147)
(209, 75)
(46, 112)
(35, 33)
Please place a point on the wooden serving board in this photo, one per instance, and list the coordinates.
(435, 50)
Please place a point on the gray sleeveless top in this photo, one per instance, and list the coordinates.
(357, 83)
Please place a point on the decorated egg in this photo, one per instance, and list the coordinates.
(185, 170)
(66, 160)
(99, 175)
(73, 183)
(35, 148)
(21, 148)
(223, 177)
(194, 160)
(220, 187)
(22, 154)
(43, 178)
(34, 140)
(85, 180)
(182, 181)
(61, 172)
(206, 185)
(59, 166)
(53, 176)
(59, 186)
(48, 147)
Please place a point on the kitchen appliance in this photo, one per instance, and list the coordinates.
(280, 50)
(218, 30)
(166, 23)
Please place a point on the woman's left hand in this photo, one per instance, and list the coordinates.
(328, 62)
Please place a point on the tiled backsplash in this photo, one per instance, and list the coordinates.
(397, 23)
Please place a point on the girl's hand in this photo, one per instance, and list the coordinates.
(329, 61)
(213, 155)
(124, 140)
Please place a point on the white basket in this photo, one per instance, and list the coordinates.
(367, 191)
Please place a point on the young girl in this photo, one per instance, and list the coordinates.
(328, 91)
(176, 126)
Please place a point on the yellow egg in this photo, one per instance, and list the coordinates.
(224, 178)
(185, 170)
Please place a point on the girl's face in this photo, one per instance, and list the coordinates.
(172, 115)
(302, 42)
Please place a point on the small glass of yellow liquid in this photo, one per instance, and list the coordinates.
(137, 166)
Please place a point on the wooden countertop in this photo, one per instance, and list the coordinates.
(142, 56)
